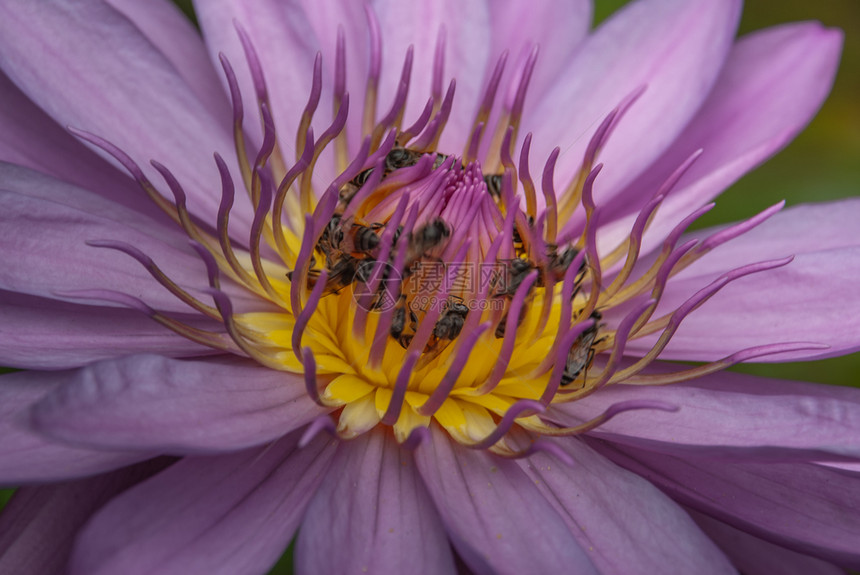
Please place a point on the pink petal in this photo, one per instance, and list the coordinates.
(26, 457)
(730, 415)
(325, 18)
(154, 403)
(30, 138)
(46, 225)
(39, 525)
(802, 506)
(497, 519)
(623, 522)
(372, 514)
(174, 35)
(220, 514)
(285, 44)
(88, 66)
(467, 56)
(754, 556)
(772, 85)
(77, 335)
(558, 27)
(843, 466)
(812, 299)
(674, 47)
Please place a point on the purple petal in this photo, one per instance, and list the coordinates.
(801, 506)
(753, 556)
(730, 415)
(39, 525)
(175, 37)
(674, 47)
(467, 29)
(286, 37)
(813, 299)
(624, 523)
(559, 27)
(63, 57)
(46, 223)
(219, 514)
(26, 457)
(325, 17)
(30, 138)
(372, 514)
(77, 335)
(772, 85)
(154, 403)
(496, 517)
(285, 43)
(843, 466)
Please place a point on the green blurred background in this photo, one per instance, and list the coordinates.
(820, 165)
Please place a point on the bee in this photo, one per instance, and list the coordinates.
(557, 263)
(449, 325)
(440, 159)
(401, 158)
(424, 239)
(331, 237)
(516, 271)
(395, 159)
(517, 240)
(494, 185)
(343, 267)
(581, 353)
(360, 179)
(430, 235)
(365, 239)
(342, 271)
(501, 326)
(404, 323)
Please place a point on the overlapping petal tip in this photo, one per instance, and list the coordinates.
(802, 506)
(54, 227)
(151, 403)
(496, 518)
(812, 299)
(558, 27)
(226, 514)
(773, 83)
(29, 457)
(32, 139)
(372, 514)
(754, 556)
(149, 111)
(55, 513)
(81, 334)
(623, 522)
(673, 49)
(721, 416)
(172, 34)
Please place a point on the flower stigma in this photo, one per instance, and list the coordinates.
(427, 285)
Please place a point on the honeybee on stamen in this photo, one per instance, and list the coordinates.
(581, 353)
(404, 323)
(516, 271)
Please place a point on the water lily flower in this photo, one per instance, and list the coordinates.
(422, 305)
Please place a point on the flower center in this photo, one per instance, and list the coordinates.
(429, 303)
(418, 287)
